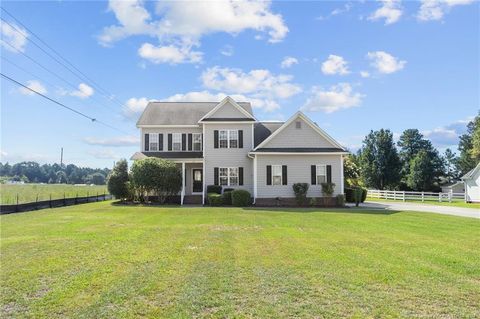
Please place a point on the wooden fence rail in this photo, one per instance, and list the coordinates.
(422, 196)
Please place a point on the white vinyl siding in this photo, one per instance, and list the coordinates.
(176, 142)
(153, 142)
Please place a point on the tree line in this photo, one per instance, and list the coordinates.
(412, 163)
(32, 172)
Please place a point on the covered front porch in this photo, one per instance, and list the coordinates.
(192, 181)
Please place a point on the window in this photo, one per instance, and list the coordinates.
(321, 174)
(223, 139)
(177, 141)
(153, 141)
(233, 138)
(277, 174)
(228, 176)
(197, 142)
(298, 125)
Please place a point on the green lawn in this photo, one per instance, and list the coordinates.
(103, 261)
(28, 192)
(454, 203)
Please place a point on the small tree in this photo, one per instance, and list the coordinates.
(117, 180)
(300, 190)
(328, 188)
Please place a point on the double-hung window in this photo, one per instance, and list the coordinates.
(228, 176)
(177, 141)
(228, 138)
(197, 142)
(277, 174)
(223, 139)
(153, 141)
(321, 174)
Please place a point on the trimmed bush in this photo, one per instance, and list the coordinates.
(328, 188)
(340, 200)
(118, 179)
(350, 194)
(215, 199)
(241, 198)
(228, 190)
(227, 197)
(217, 189)
(300, 190)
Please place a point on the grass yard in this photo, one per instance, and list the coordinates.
(99, 260)
(454, 203)
(28, 192)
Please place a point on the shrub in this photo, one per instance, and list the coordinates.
(227, 197)
(215, 199)
(217, 189)
(313, 201)
(357, 195)
(328, 188)
(364, 194)
(241, 198)
(117, 180)
(300, 190)
(350, 194)
(340, 200)
(156, 176)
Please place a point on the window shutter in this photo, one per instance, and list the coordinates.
(269, 174)
(160, 142)
(215, 139)
(314, 174)
(147, 142)
(240, 176)
(184, 142)
(169, 142)
(240, 138)
(215, 176)
(329, 173)
(284, 175)
(189, 141)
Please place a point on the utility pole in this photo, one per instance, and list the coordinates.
(61, 157)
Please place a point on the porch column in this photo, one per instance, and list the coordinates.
(203, 181)
(342, 188)
(183, 183)
(254, 178)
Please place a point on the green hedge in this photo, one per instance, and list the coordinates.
(241, 198)
(217, 189)
(215, 199)
(350, 194)
(227, 197)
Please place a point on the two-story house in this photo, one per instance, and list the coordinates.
(224, 144)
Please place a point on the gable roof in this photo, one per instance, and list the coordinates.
(314, 126)
(180, 113)
(262, 130)
(225, 101)
(471, 173)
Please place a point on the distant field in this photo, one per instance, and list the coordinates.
(29, 192)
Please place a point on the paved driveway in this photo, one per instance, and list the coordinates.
(447, 210)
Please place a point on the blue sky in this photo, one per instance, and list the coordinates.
(350, 66)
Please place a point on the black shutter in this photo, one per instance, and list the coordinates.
(189, 141)
(240, 138)
(169, 142)
(146, 142)
(329, 173)
(269, 174)
(215, 176)
(184, 142)
(215, 139)
(160, 142)
(284, 175)
(314, 174)
(240, 176)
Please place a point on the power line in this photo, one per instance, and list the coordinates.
(61, 104)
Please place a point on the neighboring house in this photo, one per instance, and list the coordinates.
(223, 144)
(455, 187)
(472, 184)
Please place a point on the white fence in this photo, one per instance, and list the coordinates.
(421, 196)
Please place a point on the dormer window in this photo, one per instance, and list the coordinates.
(298, 125)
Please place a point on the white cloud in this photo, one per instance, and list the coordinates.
(182, 24)
(227, 50)
(34, 85)
(345, 8)
(385, 62)
(340, 96)
(436, 9)
(288, 61)
(259, 83)
(169, 54)
(103, 154)
(364, 74)
(13, 39)
(135, 106)
(335, 65)
(391, 11)
(128, 140)
(84, 91)
(447, 135)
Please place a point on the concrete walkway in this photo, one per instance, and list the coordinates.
(447, 210)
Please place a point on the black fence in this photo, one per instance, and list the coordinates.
(51, 203)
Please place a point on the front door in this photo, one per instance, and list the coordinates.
(197, 180)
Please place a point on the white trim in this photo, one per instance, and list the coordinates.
(222, 103)
(191, 173)
(167, 126)
(186, 160)
(230, 122)
(299, 114)
(299, 153)
(342, 187)
(253, 136)
(254, 179)
(183, 184)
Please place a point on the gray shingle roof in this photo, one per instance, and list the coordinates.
(179, 113)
